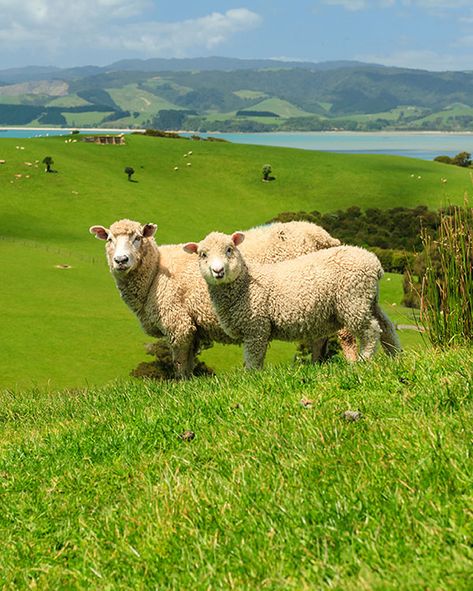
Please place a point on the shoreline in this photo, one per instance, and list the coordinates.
(69, 129)
(274, 133)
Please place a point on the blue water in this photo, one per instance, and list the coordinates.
(425, 146)
(414, 145)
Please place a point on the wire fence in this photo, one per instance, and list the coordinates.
(52, 248)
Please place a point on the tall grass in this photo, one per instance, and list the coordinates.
(277, 490)
(447, 286)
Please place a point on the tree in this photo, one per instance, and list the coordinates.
(266, 172)
(462, 159)
(48, 162)
(129, 171)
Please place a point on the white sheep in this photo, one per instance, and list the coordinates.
(309, 297)
(164, 288)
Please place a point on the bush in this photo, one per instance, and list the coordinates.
(266, 172)
(446, 295)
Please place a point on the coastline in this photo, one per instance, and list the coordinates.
(242, 133)
(70, 129)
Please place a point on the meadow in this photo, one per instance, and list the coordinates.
(332, 477)
(276, 490)
(67, 326)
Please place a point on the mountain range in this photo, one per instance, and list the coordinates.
(227, 94)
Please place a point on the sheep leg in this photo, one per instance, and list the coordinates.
(318, 350)
(183, 355)
(348, 344)
(369, 339)
(254, 352)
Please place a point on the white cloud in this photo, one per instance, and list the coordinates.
(57, 13)
(178, 38)
(52, 25)
(355, 5)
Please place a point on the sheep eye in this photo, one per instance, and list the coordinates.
(137, 240)
(229, 251)
(203, 255)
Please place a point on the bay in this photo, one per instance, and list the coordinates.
(426, 145)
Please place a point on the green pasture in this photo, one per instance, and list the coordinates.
(276, 489)
(67, 326)
(280, 107)
(70, 100)
(134, 99)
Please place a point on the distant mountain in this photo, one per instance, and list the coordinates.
(221, 63)
(32, 73)
(226, 94)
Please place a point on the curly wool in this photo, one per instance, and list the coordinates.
(168, 295)
(309, 297)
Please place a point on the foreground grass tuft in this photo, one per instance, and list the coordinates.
(99, 491)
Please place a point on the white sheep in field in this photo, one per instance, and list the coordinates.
(309, 297)
(163, 285)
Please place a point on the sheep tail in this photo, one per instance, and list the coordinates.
(389, 338)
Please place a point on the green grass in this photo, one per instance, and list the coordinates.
(87, 119)
(134, 99)
(280, 107)
(69, 327)
(99, 492)
(70, 100)
(250, 94)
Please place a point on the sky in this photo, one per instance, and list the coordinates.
(427, 34)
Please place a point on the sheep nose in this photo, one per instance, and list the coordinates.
(218, 270)
(121, 259)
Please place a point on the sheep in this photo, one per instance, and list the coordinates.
(309, 297)
(164, 288)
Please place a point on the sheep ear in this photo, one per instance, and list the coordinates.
(191, 247)
(237, 238)
(149, 230)
(100, 232)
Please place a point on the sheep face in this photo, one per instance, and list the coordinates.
(125, 244)
(220, 261)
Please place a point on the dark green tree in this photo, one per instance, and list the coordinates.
(48, 162)
(129, 171)
(462, 159)
(266, 172)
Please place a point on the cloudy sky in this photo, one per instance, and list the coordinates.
(429, 34)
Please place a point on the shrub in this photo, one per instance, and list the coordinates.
(48, 162)
(266, 172)
(447, 286)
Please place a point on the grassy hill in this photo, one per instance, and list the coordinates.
(99, 490)
(344, 95)
(68, 325)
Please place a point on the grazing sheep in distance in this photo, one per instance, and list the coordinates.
(309, 297)
(163, 285)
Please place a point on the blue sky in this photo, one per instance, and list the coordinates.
(428, 34)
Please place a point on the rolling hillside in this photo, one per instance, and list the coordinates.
(208, 94)
(62, 318)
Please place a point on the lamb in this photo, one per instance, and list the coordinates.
(165, 290)
(309, 297)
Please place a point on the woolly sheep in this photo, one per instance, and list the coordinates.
(164, 288)
(309, 297)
